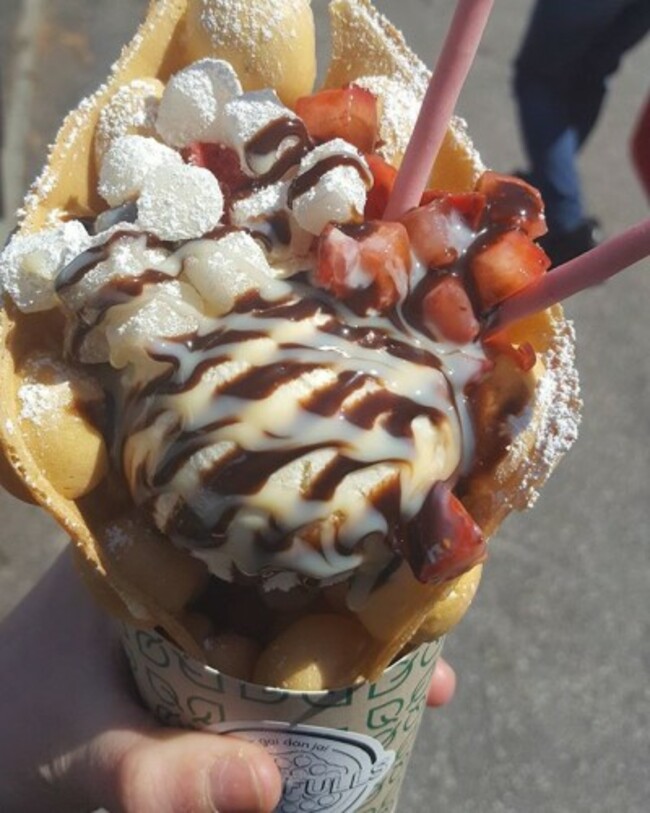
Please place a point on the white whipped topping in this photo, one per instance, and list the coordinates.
(191, 106)
(30, 262)
(339, 195)
(126, 164)
(180, 202)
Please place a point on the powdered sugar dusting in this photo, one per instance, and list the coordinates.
(458, 127)
(116, 540)
(30, 263)
(399, 106)
(133, 109)
(191, 105)
(48, 386)
(47, 181)
(557, 401)
(231, 25)
(126, 164)
(258, 205)
(180, 202)
(38, 401)
(366, 38)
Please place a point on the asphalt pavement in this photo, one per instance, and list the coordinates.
(552, 711)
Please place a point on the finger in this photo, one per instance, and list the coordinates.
(443, 684)
(167, 770)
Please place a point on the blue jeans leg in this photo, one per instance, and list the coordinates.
(569, 51)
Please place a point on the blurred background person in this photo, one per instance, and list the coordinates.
(569, 51)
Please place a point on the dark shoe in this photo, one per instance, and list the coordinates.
(564, 246)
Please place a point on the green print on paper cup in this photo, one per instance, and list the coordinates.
(340, 751)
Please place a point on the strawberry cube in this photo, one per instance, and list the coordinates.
(505, 265)
(349, 113)
(383, 181)
(448, 312)
(373, 258)
(513, 203)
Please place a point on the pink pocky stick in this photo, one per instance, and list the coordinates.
(588, 269)
(454, 63)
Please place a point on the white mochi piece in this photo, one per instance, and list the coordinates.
(132, 110)
(258, 211)
(30, 263)
(258, 206)
(248, 115)
(126, 164)
(180, 202)
(192, 103)
(339, 194)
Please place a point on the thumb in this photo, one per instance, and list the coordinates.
(164, 770)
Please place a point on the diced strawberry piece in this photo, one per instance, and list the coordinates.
(448, 313)
(513, 203)
(506, 265)
(438, 232)
(383, 181)
(471, 205)
(428, 228)
(523, 355)
(223, 162)
(349, 113)
(373, 259)
(443, 541)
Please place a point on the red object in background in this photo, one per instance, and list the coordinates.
(640, 147)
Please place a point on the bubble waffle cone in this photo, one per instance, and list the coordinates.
(55, 456)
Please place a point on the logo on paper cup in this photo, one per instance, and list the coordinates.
(322, 769)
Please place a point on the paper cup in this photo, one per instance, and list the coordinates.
(338, 751)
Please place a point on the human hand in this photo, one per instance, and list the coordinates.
(442, 686)
(73, 736)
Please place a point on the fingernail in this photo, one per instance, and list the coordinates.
(235, 784)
